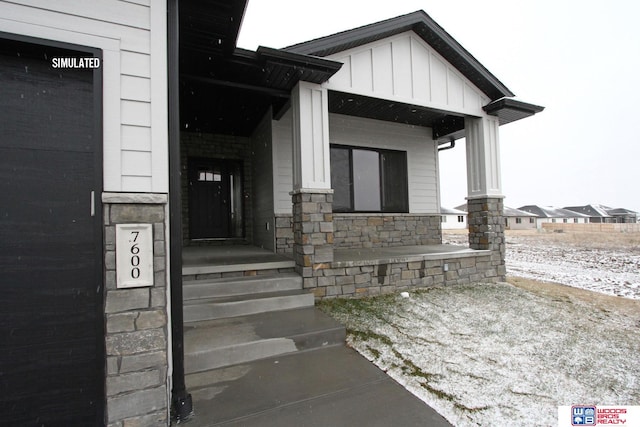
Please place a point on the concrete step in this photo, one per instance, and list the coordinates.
(330, 386)
(242, 305)
(224, 342)
(231, 286)
(212, 268)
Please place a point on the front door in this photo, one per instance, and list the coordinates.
(51, 295)
(213, 198)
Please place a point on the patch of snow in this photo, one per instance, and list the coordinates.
(609, 270)
(493, 354)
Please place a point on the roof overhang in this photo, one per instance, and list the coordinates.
(509, 110)
(432, 33)
(228, 90)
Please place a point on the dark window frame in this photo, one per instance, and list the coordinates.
(383, 182)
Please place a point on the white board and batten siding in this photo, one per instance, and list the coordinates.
(362, 132)
(406, 69)
(132, 36)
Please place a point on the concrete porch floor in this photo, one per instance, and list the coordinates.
(226, 257)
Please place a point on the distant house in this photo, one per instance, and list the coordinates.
(623, 216)
(516, 219)
(453, 219)
(549, 214)
(596, 213)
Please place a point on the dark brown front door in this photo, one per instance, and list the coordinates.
(210, 198)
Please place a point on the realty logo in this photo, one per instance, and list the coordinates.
(583, 415)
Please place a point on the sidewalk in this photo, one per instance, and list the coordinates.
(333, 386)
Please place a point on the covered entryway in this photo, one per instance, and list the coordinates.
(215, 198)
(51, 294)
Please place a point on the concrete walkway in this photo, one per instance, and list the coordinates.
(333, 386)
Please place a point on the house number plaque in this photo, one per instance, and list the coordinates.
(134, 255)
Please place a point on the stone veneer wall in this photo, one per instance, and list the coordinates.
(384, 230)
(284, 233)
(368, 278)
(196, 144)
(353, 231)
(486, 230)
(136, 321)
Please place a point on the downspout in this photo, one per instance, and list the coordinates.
(452, 143)
(181, 403)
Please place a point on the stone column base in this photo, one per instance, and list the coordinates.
(312, 232)
(486, 231)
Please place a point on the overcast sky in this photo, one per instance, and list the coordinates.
(579, 59)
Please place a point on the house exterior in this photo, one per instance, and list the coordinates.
(549, 214)
(136, 128)
(516, 219)
(600, 214)
(624, 216)
(453, 219)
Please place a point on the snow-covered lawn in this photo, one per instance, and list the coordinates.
(500, 355)
(505, 355)
(607, 263)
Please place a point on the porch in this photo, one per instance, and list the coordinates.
(359, 271)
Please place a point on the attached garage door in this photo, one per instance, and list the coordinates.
(51, 296)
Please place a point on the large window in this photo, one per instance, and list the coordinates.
(369, 180)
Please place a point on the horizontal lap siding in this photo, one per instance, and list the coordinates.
(415, 140)
(283, 167)
(135, 157)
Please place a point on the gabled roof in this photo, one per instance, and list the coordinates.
(622, 211)
(511, 212)
(447, 211)
(594, 211)
(551, 212)
(424, 26)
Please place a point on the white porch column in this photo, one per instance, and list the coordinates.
(310, 107)
(483, 157)
(485, 199)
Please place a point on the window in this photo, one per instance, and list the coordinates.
(369, 180)
(518, 220)
(575, 220)
(460, 218)
(564, 220)
(531, 220)
(443, 218)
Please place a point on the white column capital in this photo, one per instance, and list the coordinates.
(310, 106)
(483, 157)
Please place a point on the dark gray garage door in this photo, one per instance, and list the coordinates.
(51, 296)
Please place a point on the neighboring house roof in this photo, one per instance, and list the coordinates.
(462, 207)
(622, 211)
(551, 212)
(447, 211)
(593, 211)
(511, 212)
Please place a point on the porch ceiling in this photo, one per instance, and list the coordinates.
(380, 109)
(228, 90)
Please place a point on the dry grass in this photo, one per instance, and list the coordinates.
(611, 304)
(587, 240)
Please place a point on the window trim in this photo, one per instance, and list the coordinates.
(382, 185)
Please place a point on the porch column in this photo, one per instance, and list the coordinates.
(485, 199)
(312, 194)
